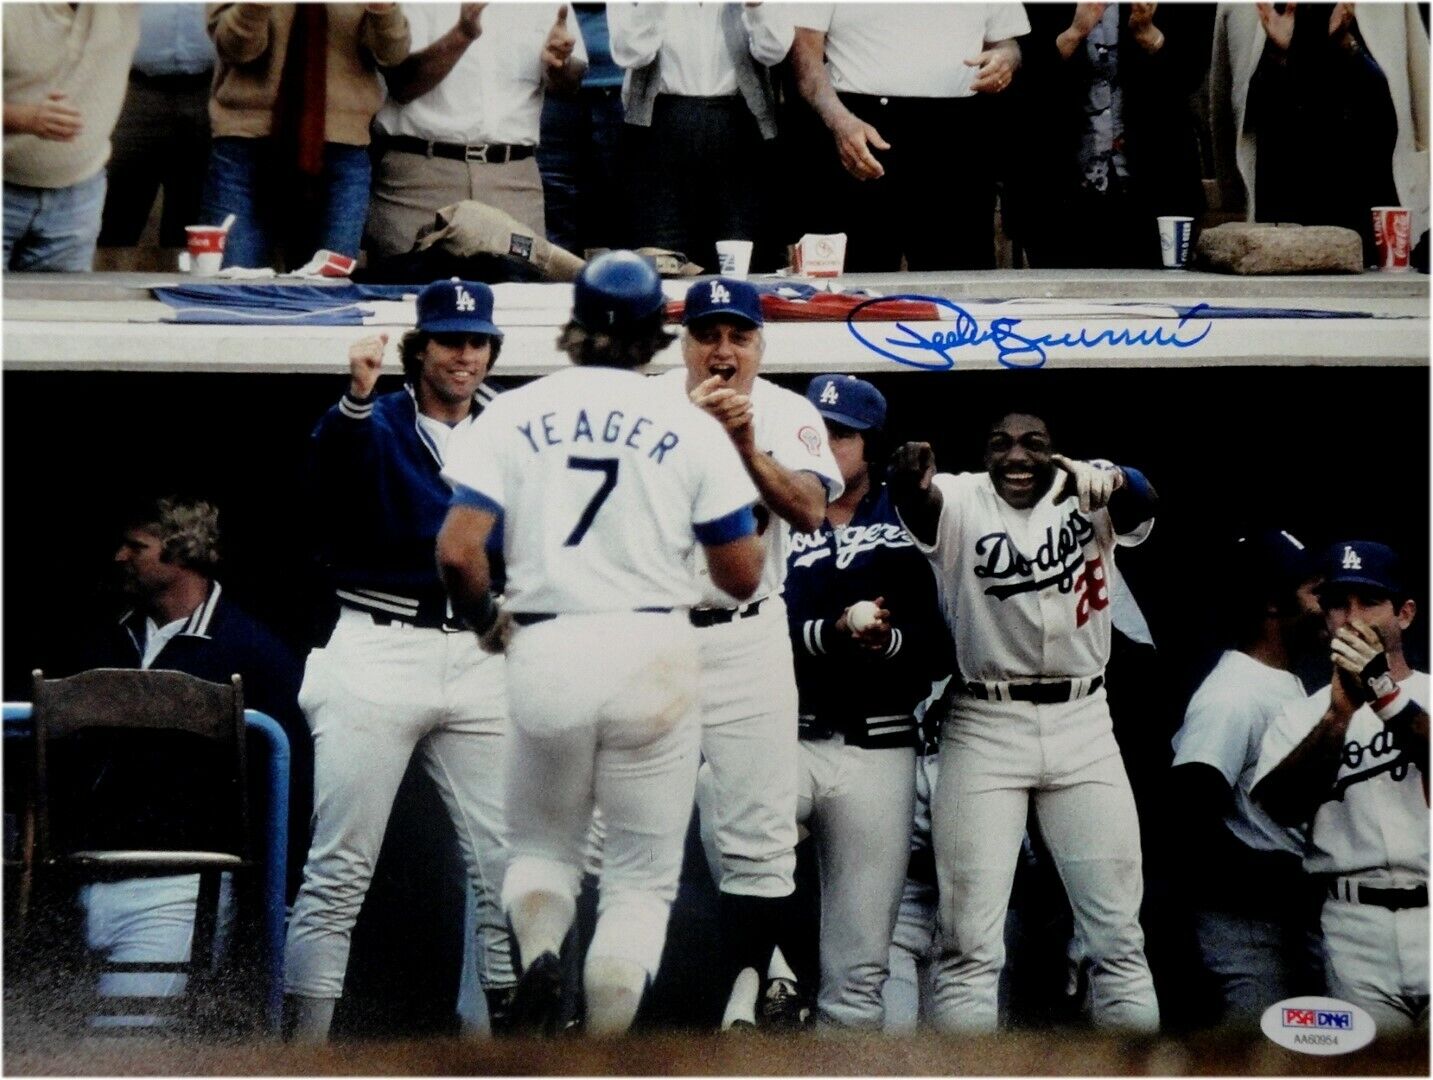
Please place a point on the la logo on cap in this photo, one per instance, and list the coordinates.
(1351, 561)
(829, 396)
(720, 295)
(464, 301)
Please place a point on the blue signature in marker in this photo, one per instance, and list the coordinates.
(1013, 349)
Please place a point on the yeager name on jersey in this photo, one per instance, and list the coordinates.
(637, 433)
(851, 540)
(1055, 562)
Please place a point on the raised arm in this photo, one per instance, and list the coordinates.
(423, 70)
(918, 501)
(1293, 790)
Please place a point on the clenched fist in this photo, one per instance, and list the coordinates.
(365, 361)
(560, 42)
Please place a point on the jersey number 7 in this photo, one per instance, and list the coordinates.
(608, 468)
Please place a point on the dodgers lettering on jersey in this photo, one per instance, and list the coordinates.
(789, 428)
(1026, 592)
(604, 482)
(1374, 820)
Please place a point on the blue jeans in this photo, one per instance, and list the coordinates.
(579, 157)
(245, 180)
(53, 228)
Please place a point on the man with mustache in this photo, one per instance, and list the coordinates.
(1024, 554)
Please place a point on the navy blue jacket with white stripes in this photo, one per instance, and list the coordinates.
(845, 688)
(381, 500)
(220, 639)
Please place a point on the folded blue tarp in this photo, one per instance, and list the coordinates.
(292, 304)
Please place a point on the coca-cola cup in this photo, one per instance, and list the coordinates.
(206, 247)
(1390, 236)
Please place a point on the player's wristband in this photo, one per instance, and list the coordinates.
(1391, 708)
(480, 616)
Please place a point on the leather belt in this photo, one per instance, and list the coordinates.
(486, 153)
(422, 622)
(1051, 692)
(703, 617)
(1393, 899)
(532, 618)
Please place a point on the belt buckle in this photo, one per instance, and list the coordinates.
(477, 153)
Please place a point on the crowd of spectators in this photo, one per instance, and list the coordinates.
(346, 126)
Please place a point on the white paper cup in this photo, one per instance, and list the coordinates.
(206, 247)
(1174, 236)
(734, 258)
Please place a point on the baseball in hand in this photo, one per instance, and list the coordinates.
(861, 615)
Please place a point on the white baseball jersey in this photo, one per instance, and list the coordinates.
(1224, 727)
(789, 428)
(1025, 592)
(607, 484)
(1376, 821)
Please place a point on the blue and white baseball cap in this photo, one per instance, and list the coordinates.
(1365, 563)
(723, 296)
(848, 401)
(456, 306)
(1273, 557)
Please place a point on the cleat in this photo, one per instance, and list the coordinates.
(784, 1007)
(537, 1000)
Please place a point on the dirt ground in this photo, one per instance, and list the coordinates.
(1046, 1054)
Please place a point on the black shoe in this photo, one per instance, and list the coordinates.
(500, 1006)
(537, 1001)
(784, 1007)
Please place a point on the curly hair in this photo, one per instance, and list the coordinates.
(187, 528)
(631, 349)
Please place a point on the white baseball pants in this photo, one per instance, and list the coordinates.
(604, 717)
(372, 696)
(996, 756)
(748, 711)
(858, 805)
(908, 986)
(1379, 959)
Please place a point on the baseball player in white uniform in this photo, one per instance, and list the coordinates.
(748, 695)
(397, 675)
(1022, 555)
(1255, 919)
(605, 484)
(1352, 759)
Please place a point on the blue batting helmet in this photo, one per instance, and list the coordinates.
(616, 291)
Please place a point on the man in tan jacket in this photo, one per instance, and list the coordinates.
(294, 91)
(66, 68)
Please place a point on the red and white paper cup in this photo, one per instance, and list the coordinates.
(206, 247)
(1391, 227)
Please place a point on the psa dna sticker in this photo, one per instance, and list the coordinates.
(1318, 1025)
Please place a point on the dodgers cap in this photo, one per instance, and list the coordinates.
(723, 296)
(1362, 562)
(457, 306)
(848, 401)
(1274, 557)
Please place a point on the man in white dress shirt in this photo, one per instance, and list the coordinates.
(700, 120)
(463, 111)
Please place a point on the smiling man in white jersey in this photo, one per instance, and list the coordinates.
(1023, 553)
(605, 487)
